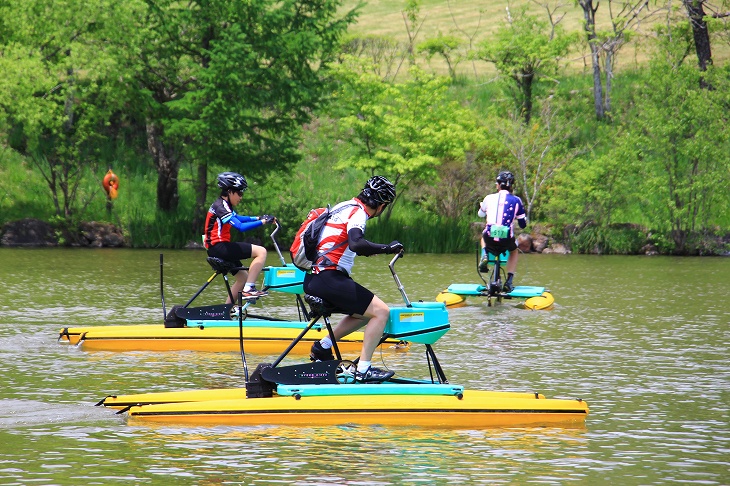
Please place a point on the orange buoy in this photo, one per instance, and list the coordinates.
(111, 184)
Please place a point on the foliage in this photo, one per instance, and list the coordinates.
(60, 83)
(404, 131)
(250, 79)
(148, 82)
(525, 49)
(678, 133)
(609, 240)
(446, 46)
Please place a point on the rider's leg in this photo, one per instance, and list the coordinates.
(241, 277)
(484, 261)
(511, 268)
(512, 262)
(258, 255)
(378, 312)
(374, 320)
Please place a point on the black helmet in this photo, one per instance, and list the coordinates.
(232, 181)
(506, 179)
(378, 190)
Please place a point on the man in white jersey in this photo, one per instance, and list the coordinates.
(342, 238)
(501, 210)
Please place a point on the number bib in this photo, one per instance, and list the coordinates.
(499, 231)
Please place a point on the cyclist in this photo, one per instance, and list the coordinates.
(342, 239)
(217, 238)
(501, 209)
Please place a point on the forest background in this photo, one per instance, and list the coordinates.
(613, 116)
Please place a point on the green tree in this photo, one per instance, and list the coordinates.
(678, 133)
(60, 83)
(230, 83)
(525, 49)
(596, 188)
(403, 131)
(446, 46)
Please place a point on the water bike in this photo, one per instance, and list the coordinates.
(535, 298)
(326, 393)
(215, 327)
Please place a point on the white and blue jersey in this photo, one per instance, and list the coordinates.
(503, 208)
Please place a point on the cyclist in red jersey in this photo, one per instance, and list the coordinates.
(221, 217)
(342, 239)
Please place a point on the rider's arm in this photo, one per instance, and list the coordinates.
(482, 212)
(521, 216)
(522, 221)
(357, 242)
(248, 224)
(245, 219)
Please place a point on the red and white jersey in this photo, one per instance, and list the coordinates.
(335, 232)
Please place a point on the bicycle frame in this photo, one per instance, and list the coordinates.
(496, 277)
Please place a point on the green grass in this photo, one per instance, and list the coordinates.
(477, 19)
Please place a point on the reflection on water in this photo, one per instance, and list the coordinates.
(643, 340)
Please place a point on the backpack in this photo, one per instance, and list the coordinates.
(304, 248)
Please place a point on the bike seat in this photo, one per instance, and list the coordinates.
(320, 307)
(223, 266)
(493, 257)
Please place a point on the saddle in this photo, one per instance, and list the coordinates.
(222, 266)
(320, 307)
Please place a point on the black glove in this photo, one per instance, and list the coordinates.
(267, 218)
(395, 246)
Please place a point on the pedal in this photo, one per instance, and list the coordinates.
(254, 298)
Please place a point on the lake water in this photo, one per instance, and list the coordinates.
(644, 340)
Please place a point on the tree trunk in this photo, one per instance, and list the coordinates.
(609, 79)
(589, 14)
(167, 168)
(696, 13)
(526, 83)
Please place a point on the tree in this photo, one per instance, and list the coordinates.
(446, 46)
(696, 13)
(59, 86)
(525, 49)
(540, 149)
(230, 83)
(403, 131)
(678, 133)
(624, 15)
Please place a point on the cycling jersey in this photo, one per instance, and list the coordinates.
(219, 220)
(335, 233)
(502, 208)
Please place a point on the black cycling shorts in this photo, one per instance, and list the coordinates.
(339, 290)
(231, 251)
(500, 246)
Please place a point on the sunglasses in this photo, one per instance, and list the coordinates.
(240, 193)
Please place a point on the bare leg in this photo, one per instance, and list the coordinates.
(258, 253)
(512, 261)
(375, 318)
(237, 286)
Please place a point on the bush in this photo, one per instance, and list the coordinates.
(616, 239)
